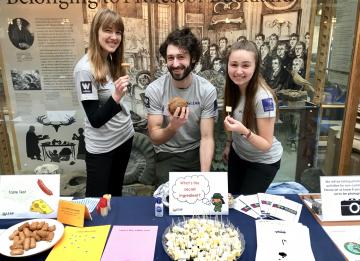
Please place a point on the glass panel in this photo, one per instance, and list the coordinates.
(336, 77)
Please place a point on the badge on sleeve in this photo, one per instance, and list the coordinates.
(146, 102)
(268, 104)
(215, 105)
(86, 87)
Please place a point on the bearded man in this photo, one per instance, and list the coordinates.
(184, 140)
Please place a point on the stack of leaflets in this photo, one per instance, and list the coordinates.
(282, 240)
(267, 206)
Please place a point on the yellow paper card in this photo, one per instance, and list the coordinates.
(71, 213)
(80, 243)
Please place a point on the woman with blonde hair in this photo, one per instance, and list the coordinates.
(101, 83)
(252, 152)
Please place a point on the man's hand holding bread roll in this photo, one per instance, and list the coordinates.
(176, 102)
(179, 112)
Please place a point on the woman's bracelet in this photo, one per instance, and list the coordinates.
(248, 135)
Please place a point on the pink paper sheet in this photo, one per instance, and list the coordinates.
(130, 243)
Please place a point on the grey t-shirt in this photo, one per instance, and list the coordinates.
(264, 108)
(114, 132)
(201, 99)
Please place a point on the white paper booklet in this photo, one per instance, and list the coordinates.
(266, 200)
(243, 208)
(286, 210)
(268, 206)
(252, 201)
(279, 240)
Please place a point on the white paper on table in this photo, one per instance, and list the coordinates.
(252, 201)
(264, 204)
(286, 210)
(266, 200)
(284, 237)
(243, 208)
(348, 236)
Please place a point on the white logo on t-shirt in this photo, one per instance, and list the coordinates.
(86, 87)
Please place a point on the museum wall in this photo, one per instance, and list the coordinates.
(46, 119)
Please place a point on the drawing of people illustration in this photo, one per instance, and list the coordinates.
(32, 143)
(81, 144)
(54, 156)
(217, 200)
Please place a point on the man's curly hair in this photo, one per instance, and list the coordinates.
(184, 39)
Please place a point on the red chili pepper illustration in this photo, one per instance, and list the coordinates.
(45, 189)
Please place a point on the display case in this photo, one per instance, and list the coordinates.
(335, 66)
(297, 131)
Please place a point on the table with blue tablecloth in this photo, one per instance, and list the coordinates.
(140, 211)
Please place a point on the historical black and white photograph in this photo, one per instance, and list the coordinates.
(28, 80)
(20, 33)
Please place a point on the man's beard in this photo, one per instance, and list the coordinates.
(181, 77)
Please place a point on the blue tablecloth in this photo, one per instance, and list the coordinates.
(140, 211)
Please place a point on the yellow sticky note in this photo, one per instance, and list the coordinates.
(71, 213)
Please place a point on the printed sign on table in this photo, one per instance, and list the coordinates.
(340, 196)
(72, 213)
(198, 193)
(29, 196)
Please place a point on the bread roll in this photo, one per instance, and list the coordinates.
(176, 102)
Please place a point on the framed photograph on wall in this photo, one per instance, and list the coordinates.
(282, 24)
(197, 30)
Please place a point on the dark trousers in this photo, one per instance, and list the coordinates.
(175, 162)
(246, 178)
(106, 171)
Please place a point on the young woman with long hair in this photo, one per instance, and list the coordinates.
(252, 152)
(101, 83)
